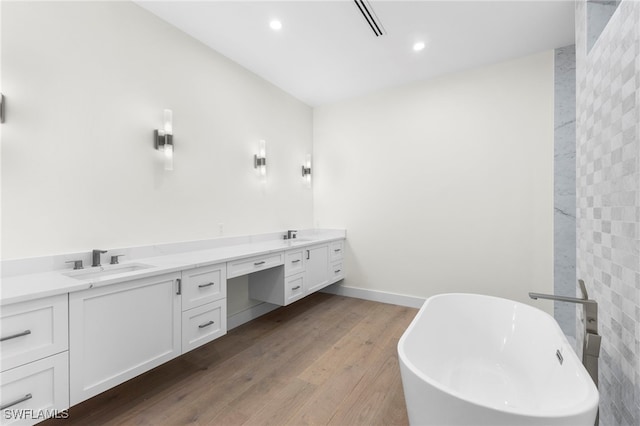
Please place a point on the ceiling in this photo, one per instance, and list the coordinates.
(326, 51)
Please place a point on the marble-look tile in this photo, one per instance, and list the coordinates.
(564, 270)
(608, 200)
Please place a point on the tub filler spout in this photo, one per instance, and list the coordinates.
(592, 340)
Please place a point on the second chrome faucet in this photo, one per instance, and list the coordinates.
(95, 257)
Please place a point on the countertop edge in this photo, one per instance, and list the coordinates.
(168, 264)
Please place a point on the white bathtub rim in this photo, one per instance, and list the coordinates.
(591, 400)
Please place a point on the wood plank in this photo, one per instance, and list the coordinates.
(324, 359)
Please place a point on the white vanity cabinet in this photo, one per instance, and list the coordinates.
(204, 305)
(306, 270)
(278, 286)
(119, 331)
(316, 267)
(34, 382)
(336, 259)
(250, 265)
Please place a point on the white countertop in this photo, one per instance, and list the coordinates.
(23, 287)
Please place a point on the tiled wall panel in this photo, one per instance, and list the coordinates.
(564, 186)
(608, 201)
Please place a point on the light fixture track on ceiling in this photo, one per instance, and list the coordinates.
(370, 16)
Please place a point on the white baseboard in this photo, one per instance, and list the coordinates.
(375, 295)
(249, 314)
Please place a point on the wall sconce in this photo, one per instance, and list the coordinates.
(163, 139)
(260, 159)
(306, 170)
(1, 108)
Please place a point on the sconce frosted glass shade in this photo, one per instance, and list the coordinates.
(168, 122)
(306, 170)
(168, 157)
(260, 159)
(163, 138)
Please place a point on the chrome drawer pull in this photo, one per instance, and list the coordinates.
(13, 336)
(335, 272)
(205, 285)
(337, 250)
(17, 401)
(206, 324)
(295, 261)
(258, 263)
(296, 287)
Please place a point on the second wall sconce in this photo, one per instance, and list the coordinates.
(260, 159)
(306, 170)
(163, 139)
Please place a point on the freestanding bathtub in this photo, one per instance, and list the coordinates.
(468, 359)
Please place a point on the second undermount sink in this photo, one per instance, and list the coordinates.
(297, 240)
(102, 271)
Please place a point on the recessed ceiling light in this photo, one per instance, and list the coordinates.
(275, 25)
(418, 46)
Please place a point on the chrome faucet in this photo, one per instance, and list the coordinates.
(592, 340)
(290, 234)
(95, 257)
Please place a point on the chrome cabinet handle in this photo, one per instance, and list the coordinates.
(308, 254)
(337, 250)
(259, 263)
(295, 261)
(206, 285)
(295, 288)
(179, 282)
(13, 336)
(206, 324)
(335, 272)
(17, 401)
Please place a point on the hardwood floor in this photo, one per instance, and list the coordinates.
(323, 360)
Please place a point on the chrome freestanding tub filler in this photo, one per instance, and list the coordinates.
(469, 359)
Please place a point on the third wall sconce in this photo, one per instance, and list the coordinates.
(306, 170)
(163, 139)
(260, 159)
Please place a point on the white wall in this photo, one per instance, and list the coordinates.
(444, 185)
(86, 84)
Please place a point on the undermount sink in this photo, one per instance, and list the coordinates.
(102, 271)
(297, 240)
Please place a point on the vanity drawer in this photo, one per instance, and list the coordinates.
(294, 288)
(293, 262)
(33, 330)
(203, 324)
(336, 272)
(336, 250)
(203, 285)
(34, 390)
(258, 263)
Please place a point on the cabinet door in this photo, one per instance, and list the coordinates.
(203, 324)
(120, 331)
(336, 272)
(250, 265)
(34, 391)
(317, 267)
(33, 330)
(336, 250)
(294, 262)
(293, 288)
(203, 285)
